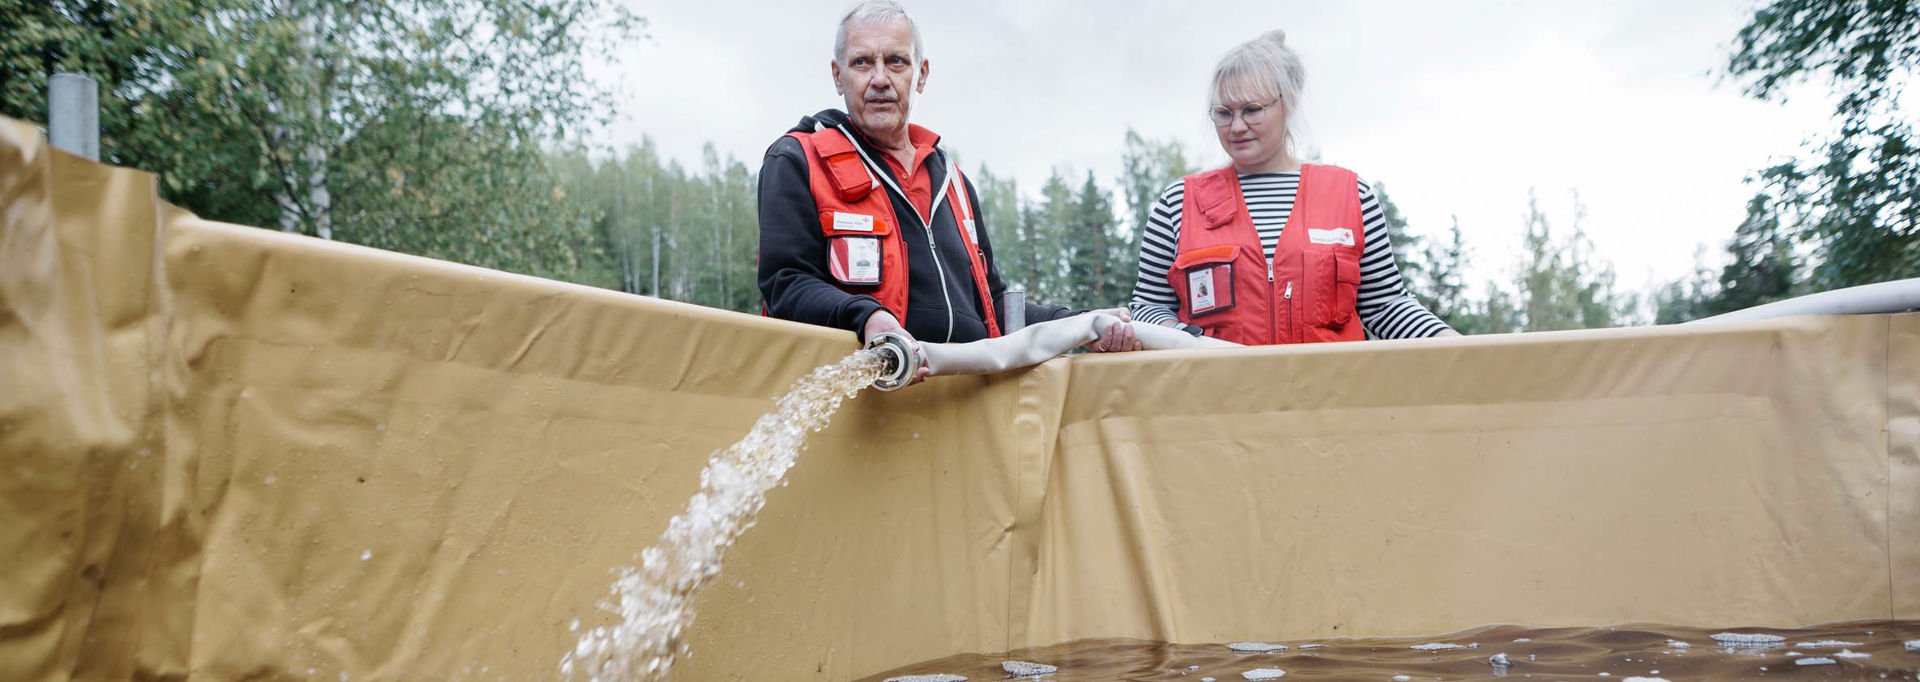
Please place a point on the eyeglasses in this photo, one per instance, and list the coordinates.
(1223, 116)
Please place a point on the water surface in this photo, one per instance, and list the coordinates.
(1605, 653)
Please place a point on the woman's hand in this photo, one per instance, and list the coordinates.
(1118, 338)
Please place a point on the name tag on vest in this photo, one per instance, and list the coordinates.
(1209, 288)
(855, 260)
(1342, 236)
(852, 222)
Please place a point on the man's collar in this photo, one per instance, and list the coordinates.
(921, 137)
(917, 137)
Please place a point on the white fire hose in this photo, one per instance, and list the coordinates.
(1898, 296)
(1029, 346)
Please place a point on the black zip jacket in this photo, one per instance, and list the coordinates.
(795, 281)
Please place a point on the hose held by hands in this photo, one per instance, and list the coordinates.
(1029, 346)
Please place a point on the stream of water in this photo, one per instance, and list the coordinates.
(654, 600)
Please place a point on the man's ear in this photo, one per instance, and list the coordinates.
(835, 64)
(922, 86)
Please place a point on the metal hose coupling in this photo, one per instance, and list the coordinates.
(900, 358)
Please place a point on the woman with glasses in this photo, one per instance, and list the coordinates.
(1268, 249)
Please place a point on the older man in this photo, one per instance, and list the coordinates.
(865, 223)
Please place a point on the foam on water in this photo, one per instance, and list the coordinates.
(1028, 668)
(1827, 643)
(654, 601)
(1747, 638)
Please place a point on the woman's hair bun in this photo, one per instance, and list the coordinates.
(1275, 36)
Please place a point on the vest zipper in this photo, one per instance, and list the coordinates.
(1273, 315)
(1287, 300)
(942, 268)
(926, 222)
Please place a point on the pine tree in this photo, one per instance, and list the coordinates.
(1760, 267)
(1689, 298)
(1148, 167)
(1048, 231)
(1441, 284)
(1561, 285)
(1857, 197)
(1096, 275)
(1014, 251)
(1406, 245)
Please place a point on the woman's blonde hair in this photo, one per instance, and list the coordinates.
(1263, 70)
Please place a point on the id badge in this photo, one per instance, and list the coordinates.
(1209, 288)
(855, 260)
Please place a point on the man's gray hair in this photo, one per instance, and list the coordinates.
(875, 10)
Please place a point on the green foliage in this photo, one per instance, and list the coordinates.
(1405, 244)
(1441, 283)
(1858, 196)
(1044, 231)
(663, 232)
(1147, 168)
(1065, 249)
(1561, 286)
(414, 125)
(1497, 313)
(440, 128)
(1760, 269)
(1003, 213)
(1688, 298)
(1100, 257)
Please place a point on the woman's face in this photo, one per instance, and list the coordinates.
(1253, 132)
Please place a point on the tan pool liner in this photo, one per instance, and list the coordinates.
(228, 453)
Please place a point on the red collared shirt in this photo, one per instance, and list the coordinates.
(917, 183)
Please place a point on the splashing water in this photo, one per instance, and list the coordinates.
(655, 600)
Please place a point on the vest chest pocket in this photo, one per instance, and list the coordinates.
(1334, 272)
(855, 253)
(1203, 280)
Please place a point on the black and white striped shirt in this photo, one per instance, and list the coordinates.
(1386, 309)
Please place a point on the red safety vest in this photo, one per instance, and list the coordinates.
(1305, 294)
(867, 254)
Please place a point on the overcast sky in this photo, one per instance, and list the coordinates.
(1459, 107)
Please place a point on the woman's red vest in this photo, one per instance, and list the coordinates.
(867, 253)
(1306, 294)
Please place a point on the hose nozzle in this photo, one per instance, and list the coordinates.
(899, 357)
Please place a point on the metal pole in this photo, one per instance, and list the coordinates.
(1013, 306)
(73, 114)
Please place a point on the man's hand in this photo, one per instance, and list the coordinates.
(881, 322)
(1118, 338)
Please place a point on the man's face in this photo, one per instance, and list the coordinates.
(877, 77)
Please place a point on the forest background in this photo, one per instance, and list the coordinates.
(459, 130)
